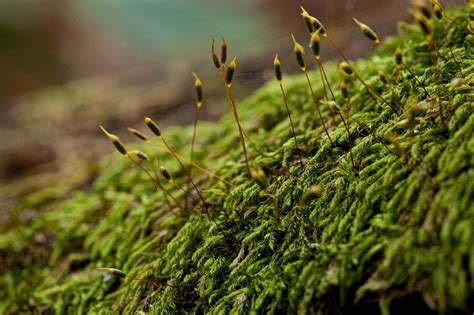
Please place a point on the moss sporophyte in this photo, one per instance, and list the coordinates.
(388, 132)
(402, 115)
(347, 189)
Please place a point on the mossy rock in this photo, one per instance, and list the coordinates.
(394, 234)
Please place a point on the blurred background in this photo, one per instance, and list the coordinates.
(68, 66)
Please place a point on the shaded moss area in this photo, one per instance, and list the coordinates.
(397, 230)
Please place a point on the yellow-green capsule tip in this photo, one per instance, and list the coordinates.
(346, 68)
(140, 154)
(314, 44)
(114, 272)
(215, 59)
(260, 177)
(233, 63)
(367, 31)
(277, 67)
(312, 192)
(166, 174)
(115, 141)
(198, 88)
(223, 51)
(153, 126)
(303, 11)
(299, 53)
(138, 134)
(229, 75)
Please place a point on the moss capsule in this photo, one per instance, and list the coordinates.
(115, 141)
(312, 24)
(438, 10)
(215, 59)
(314, 44)
(344, 66)
(166, 174)
(299, 54)
(277, 67)
(398, 57)
(420, 7)
(332, 105)
(307, 20)
(343, 88)
(153, 126)
(229, 75)
(383, 77)
(367, 31)
(198, 89)
(114, 272)
(138, 134)
(409, 123)
(312, 192)
(223, 51)
(142, 155)
(423, 23)
(318, 26)
(260, 177)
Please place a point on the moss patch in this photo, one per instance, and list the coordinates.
(398, 230)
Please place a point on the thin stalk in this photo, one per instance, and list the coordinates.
(184, 170)
(253, 144)
(351, 142)
(236, 116)
(445, 35)
(390, 51)
(186, 192)
(277, 210)
(316, 104)
(367, 87)
(434, 60)
(150, 281)
(324, 78)
(204, 204)
(158, 183)
(196, 118)
(373, 135)
(291, 121)
(173, 182)
(197, 166)
(324, 88)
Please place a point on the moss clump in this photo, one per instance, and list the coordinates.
(399, 230)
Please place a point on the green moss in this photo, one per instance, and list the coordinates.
(399, 229)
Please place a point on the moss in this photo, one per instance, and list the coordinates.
(398, 230)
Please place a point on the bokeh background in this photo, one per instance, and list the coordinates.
(68, 66)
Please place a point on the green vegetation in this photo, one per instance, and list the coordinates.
(398, 229)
